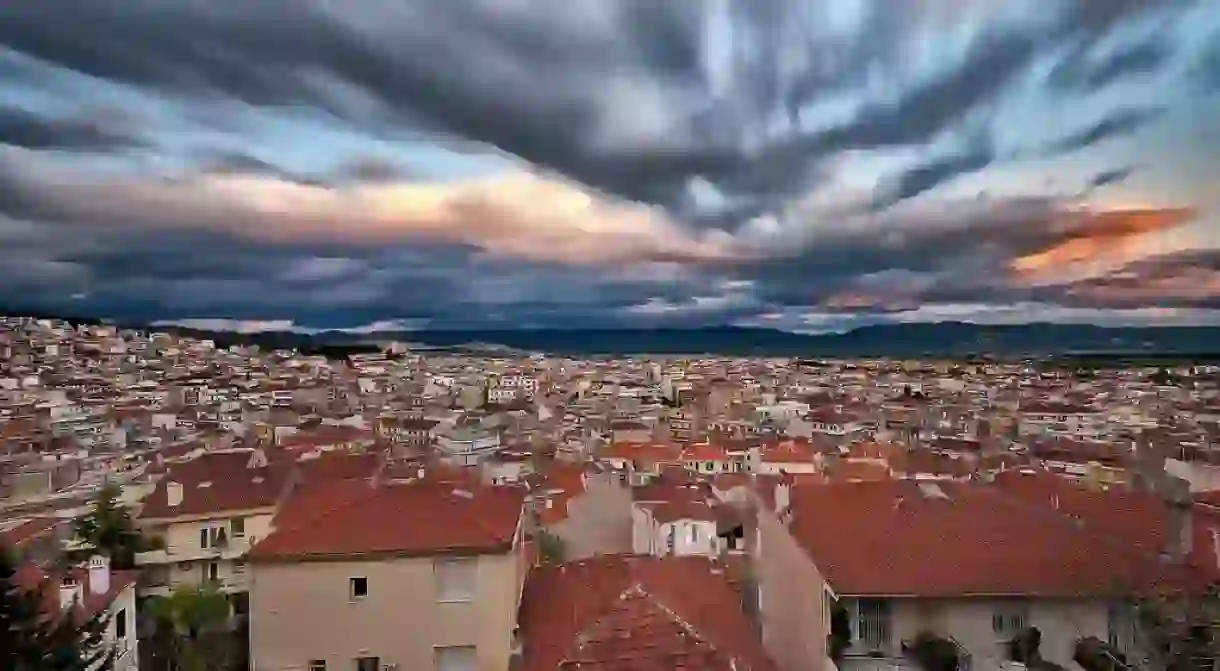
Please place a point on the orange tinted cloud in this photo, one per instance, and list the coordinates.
(519, 215)
(1173, 278)
(1095, 240)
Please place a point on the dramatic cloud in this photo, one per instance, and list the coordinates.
(609, 162)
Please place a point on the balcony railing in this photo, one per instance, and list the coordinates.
(964, 659)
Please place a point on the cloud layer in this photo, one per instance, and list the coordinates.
(611, 162)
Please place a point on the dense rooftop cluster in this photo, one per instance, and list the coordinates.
(415, 509)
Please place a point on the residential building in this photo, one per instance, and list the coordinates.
(624, 611)
(336, 587)
(964, 561)
(206, 514)
(89, 590)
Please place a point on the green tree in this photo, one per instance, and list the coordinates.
(37, 640)
(839, 638)
(1179, 631)
(550, 548)
(1026, 648)
(109, 529)
(934, 653)
(192, 631)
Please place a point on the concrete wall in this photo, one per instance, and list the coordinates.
(184, 560)
(793, 603)
(598, 521)
(302, 612)
(969, 622)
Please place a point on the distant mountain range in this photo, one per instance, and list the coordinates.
(943, 339)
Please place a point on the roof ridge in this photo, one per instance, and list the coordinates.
(450, 497)
(690, 629)
(346, 502)
(1082, 526)
(600, 609)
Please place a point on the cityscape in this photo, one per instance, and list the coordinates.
(610, 335)
(418, 509)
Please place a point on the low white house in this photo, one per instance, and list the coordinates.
(681, 528)
(88, 590)
(468, 445)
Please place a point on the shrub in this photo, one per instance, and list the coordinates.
(933, 653)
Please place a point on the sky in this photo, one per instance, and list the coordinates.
(806, 166)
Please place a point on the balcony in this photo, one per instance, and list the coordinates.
(153, 557)
(224, 551)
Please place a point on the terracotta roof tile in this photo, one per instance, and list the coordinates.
(17, 533)
(349, 518)
(217, 482)
(31, 578)
(900, 538)
(858, 471)
(672, 511)
(632, 613)
(339, 466)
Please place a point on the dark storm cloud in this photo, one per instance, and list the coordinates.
(928, 110)
(1206, 72)
(1180, 280)
(518, 81)
(370, 169)
(1077, 73)
(1118, 124)
(238, 163)
(1107, 177)
(929, 175)
(619, 95)
(21, 128)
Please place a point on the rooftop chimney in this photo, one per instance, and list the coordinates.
(258, 459)
(1181, 528)
(173, 494)
(99, 574)
(783, 495)
(69, 591)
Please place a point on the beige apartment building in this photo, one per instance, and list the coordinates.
(383, 576)
(974, 563)
(207, 513)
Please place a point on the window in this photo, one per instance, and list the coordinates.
(872, 625)
(120, 623)
(205, 538)
(317, 665)
(239, 526)
(455, 579)
(694, 533)
(1009, 619)
(1120, 628)
(358, 588)
(455, 658)
(211, 571)
(368, 663)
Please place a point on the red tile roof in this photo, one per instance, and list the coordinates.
(23, 531)
(672, 511)
(352, 518)
(217, 482)
(894, 538)
(31, 578)
(632, 613)
(1138, 518)
(339, 466)
(704, 452)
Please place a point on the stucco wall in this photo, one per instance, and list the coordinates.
(793, 604)
(302, 612)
